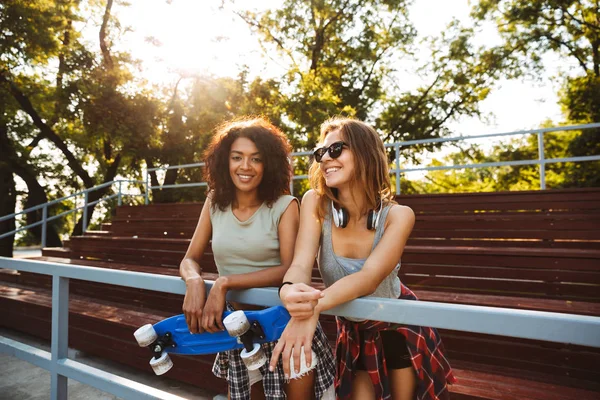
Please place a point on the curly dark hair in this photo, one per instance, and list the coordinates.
(274, 148)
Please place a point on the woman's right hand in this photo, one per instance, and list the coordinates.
(193, 303)
(300, 299)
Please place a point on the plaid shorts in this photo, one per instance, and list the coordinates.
(229, 365)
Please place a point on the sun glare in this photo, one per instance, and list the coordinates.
(189, 37)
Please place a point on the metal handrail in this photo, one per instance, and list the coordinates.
(539, 325)
(541, 161)
(44, 207)
(397, 171)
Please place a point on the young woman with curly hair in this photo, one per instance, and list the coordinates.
(351, 223)
(252, 221)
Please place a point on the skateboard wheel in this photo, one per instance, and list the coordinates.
(162, 364)
(255, 358)
(145, 335)
(236, 323)
(303, 368)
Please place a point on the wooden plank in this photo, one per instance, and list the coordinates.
(564, 259)
(486, 242)
(563, 291)
(575, 195)
(548, 275)
(488, 232)
(524, 303)
(474, 384)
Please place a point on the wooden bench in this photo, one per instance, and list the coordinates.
(567, 218)
(466, 248)
(158, 220)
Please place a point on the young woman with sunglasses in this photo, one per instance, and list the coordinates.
(350, 222)
(253, 223)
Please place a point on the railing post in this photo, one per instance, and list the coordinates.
(44, 225)
(85, 213)
(60, 335)
(542, 158)
(147, 199)
(397, 150)
(119, 200)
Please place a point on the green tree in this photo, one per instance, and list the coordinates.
(570, 29)
(84, 108)
(343, 58)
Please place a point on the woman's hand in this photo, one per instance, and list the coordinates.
(297, 334)
(193, 303)
(300, 299)
(212, 317)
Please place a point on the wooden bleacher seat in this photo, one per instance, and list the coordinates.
(529, 250)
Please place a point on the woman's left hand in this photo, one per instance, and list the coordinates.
(212, 316)
(297, 334)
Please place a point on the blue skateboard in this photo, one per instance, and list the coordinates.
(245, 330)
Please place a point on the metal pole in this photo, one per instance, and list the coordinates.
(147, 200)
(44, 224)
(60, 335)
(397, 149)
(85, 214)
(542, 159)
(119, 196)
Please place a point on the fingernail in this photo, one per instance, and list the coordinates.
(270, 368)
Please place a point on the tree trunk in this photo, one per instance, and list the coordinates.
(8, 202)
(36, 193)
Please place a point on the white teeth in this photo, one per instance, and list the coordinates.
(328, 170)
(245, 176)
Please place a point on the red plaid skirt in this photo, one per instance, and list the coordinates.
(424, 345)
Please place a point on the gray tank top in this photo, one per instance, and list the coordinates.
(334, 267)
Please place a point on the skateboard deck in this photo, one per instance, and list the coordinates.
(272, 321)
(245, 330)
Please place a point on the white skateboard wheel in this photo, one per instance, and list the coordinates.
(254, 359)
(145, 335)
(236, 323)
(162, 364)
(303, 368)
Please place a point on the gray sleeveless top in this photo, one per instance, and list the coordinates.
(334, 267)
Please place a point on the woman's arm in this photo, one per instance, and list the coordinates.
(190, 270)
(287, 231)
(380, 263)
(300, 299)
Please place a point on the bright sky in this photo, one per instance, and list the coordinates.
(189, 32)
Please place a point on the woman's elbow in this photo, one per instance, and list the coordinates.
(185, 263)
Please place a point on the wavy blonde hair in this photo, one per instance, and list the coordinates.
(370, 160)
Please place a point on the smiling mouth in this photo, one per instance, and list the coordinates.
(245, 177)
(331, 170)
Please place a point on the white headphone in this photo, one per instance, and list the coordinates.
(341, 217)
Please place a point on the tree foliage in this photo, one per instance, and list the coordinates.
(343, 58)
(74, 114)
(571, 30)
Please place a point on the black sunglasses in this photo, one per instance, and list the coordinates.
(335, 150)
